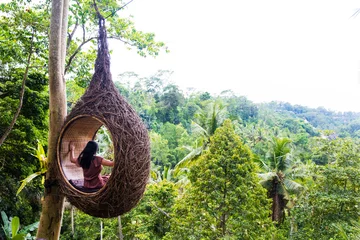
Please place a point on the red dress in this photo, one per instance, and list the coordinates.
(92, 176)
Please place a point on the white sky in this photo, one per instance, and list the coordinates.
(304, 52)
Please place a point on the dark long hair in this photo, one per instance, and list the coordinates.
(87, 155)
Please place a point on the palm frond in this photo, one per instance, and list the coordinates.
(266, 184)
(198, 131)
(265, 165)
(186, 161)
(293, 187)
(182, 172)
(269, 176)
(281, 190)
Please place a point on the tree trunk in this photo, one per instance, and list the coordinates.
(101, 230)
(72, 221)
(121, 236)
(278, 206)
(52, 205)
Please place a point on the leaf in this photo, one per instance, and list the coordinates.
(29, 179)
(15, 225)
(30, 227)
(153, 175)
(292, 186)
(6, 226)
(266, 184)
(198, 130)
(19, 237)
(5, 219)
(341, 230)
(186, 161)
(281, 190)
(267, 176)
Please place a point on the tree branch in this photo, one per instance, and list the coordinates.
(162, 211)
(71, 35)
(22, 92)
(118, 38)
(76, 52)
(112, 14)
(72, 57)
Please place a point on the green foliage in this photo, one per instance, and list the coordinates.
(279, 155)
(319, 118)
(240, 108)
(224, 199)
(148, 220)
(83, 27)
(11, 228)
(86, 227)
(24, 43)
(23, 32)
(169, 102)
(40, 155)
(151, 218)
(177, 137)
(23, 37)
(159, 150)
(330, 208)
(16, 158)
(279, 168)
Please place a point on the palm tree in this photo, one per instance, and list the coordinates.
(277, 179)
(207, 120)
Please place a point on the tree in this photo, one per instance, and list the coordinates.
(276, 180)
(21, 36)
(239, 107)
(151, 218)
(224, 199)
(169, 101)
(23, 104)
(31, 126)
(207, 120)
(52, 205)
(83, 29)
(330, 207)
(159, 150)
(24, 40)
(177, 137)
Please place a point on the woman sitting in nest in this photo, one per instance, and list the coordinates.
(91, 165)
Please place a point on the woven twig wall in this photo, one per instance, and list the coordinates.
(130, 173)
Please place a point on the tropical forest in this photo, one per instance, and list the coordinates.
(221, 166)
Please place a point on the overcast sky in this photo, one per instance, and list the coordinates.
(304, 52)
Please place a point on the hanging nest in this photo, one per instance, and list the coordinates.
(102, 105)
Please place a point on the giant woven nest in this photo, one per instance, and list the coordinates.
(102, 105)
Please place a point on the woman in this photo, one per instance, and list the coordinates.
(91, 165)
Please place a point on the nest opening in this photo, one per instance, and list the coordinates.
(78, 131)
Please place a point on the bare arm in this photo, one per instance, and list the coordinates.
(72, 155)
(107, 163)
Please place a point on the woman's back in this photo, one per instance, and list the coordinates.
(92, 176)
(91, 165)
